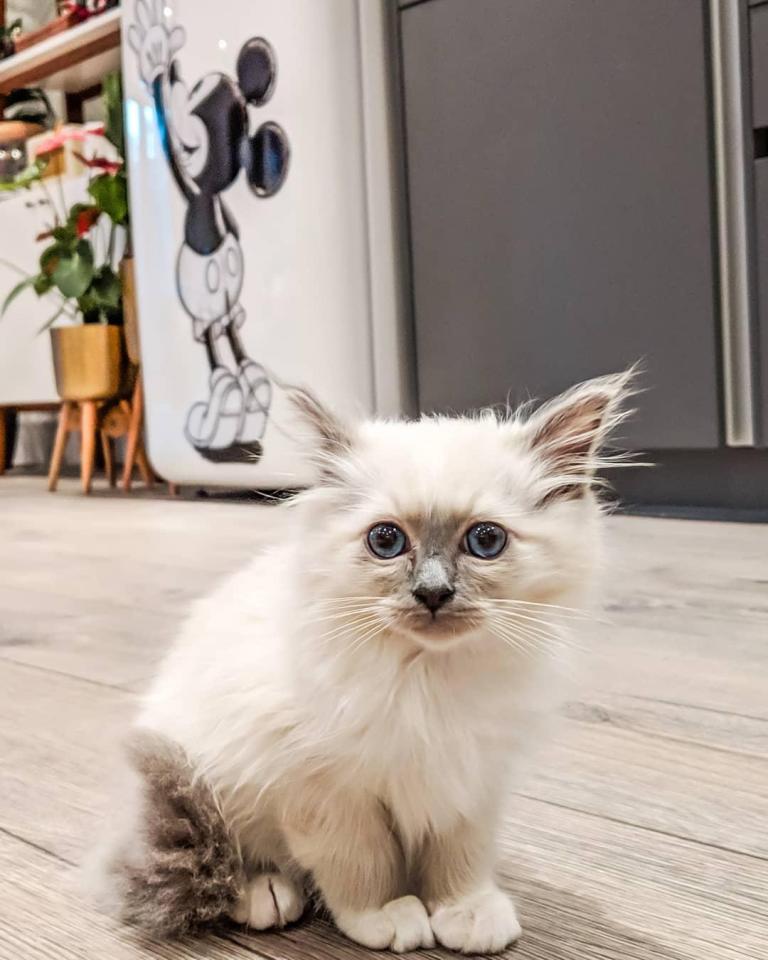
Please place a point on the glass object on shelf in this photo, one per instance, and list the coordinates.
(41, 19)
(13, 159)
(9, 30)
(32, 13)
(24, 114)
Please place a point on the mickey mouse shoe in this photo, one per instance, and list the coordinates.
(257, 394)
(213, 428)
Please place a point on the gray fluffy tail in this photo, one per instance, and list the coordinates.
(179, 869)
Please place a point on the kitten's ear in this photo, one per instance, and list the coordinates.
(567, 433)
(334, 438)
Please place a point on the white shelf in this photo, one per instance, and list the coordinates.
(70, 61)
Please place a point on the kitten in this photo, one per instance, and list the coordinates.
(342, 715)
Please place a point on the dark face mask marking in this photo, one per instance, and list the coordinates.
(433, 579)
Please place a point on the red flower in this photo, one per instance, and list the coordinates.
(59, 137)
(86, 219)
(100, 163)
(78, 11)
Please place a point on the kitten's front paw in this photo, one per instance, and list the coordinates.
(271, 900)
(399, 925)
(481, 922)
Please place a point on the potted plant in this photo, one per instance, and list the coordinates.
(80, 264)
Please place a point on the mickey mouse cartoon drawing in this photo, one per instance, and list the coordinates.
(207, 143)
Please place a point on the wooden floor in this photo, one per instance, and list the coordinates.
(643, 833)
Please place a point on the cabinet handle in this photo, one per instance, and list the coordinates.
(731, 149)
(761, 143)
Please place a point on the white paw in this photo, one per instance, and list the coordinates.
(400, 925)
(271, 900)
(482, 922)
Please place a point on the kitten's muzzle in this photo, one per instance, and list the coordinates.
(432, 583)
(433, 598)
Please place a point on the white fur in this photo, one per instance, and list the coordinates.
(270, 900)
(399, 925)
(483, 921)
(277, 696)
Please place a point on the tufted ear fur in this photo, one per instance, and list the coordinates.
(567, 433)
(333, 438)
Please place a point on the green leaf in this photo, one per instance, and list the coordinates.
(19, 288)
(65, 233)
(103, 298)
(50, 257)
(108, 288)
(86, 303)
(91, 316)
(112, 91)
(74, 271)
(110, 193)
(27, 176)
(42, 284)
(74, 212)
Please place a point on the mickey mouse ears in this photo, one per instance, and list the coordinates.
(267, 152)
(267, 160)
(256, 71)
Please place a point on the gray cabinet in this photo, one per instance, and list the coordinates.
(560, 204)
(758, 86)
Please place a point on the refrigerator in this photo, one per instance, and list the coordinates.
(264, 201)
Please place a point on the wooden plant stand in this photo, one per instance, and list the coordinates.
(107, 419)
(135, 455)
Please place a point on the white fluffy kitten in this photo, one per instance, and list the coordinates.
(356, 696)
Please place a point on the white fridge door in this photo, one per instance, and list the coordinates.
(250, 199)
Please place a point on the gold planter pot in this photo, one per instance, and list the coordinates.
(89, 361)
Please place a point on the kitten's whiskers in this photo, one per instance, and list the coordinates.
(339, 601)
(547, 633)
(533, 624)
(340, 615)
(510, 639)
(525, 637)
(339, 631)
(564, 613)
(369, 635)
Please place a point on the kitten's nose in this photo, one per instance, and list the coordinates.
(433, 597)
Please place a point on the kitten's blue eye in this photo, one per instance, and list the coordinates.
(387, 540)
(485, 540)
